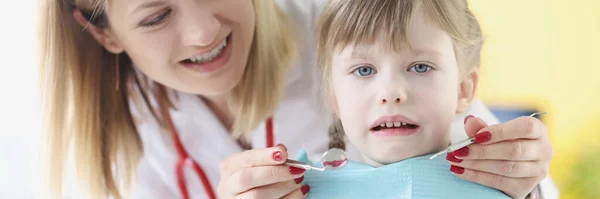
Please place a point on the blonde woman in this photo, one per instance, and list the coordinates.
(187, 99)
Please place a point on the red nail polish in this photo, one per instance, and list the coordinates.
(451, 158)
(282, 146)
(483, 137)
(467, 118)
(305, 189)
(296, 170)
(462, 152)
(457, 170)
(277, 156)
(299, 180)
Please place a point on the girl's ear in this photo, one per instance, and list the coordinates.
(102, 35)
(467, 89)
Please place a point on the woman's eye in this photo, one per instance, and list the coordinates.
(364, 71)
(420, 68)
(155, 20)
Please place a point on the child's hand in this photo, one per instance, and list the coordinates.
(513, 156)
(260, 173)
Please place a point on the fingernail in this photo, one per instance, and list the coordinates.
(457, 170)
(462, 152)
(282, 146)
(299, 180)
(277, 156)
(451, 158)
(483, 137)
(296, 170)
(305, 189)
(467, 118)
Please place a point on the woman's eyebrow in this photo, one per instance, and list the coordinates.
(146, 5)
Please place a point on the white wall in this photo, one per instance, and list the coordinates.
(19, 113)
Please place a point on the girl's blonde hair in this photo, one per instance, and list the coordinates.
(357, 22)
(86, 91)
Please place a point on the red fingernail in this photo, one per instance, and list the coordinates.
(462, 152)
(296, 170)
(305, 189)
(277, 156)
(282, 146)
(457, 170)
(483, 137)
(299, 180)
(467, 118)
(451, 158)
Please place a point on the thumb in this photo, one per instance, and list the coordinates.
(473, 125)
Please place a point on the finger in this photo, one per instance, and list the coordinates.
(514, 169)
(473, 125)
(276, 190)
(515, 150)
(253, 158)
(248, 178)
(519, 128)
(513, 187)
(301, 192)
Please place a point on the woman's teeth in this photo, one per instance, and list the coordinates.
(207, 57)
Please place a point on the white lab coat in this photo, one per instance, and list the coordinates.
(300, 123)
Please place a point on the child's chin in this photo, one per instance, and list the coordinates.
(382, 159)
(392, 156)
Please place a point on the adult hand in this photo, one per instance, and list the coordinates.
(513, 157)
(260, 173)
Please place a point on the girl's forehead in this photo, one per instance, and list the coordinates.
(420, 33)
(423, 39)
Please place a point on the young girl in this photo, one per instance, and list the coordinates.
(397, 73)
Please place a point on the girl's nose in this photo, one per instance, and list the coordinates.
(384, 101)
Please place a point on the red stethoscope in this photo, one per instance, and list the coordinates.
(183, 158)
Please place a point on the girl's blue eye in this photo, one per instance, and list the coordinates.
(364, 71)
(420, 68)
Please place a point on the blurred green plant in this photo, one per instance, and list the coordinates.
(584, 181)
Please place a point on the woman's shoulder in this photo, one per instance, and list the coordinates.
(302, 72)
(303, 12)
(482, 111)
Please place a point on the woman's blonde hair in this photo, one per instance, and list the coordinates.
(86, 91)
(349, 22)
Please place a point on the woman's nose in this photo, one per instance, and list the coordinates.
(200, 29)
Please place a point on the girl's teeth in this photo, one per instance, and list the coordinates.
(393, 124)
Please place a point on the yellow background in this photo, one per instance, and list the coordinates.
(545, 54)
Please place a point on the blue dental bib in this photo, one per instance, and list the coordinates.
(416, 177)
